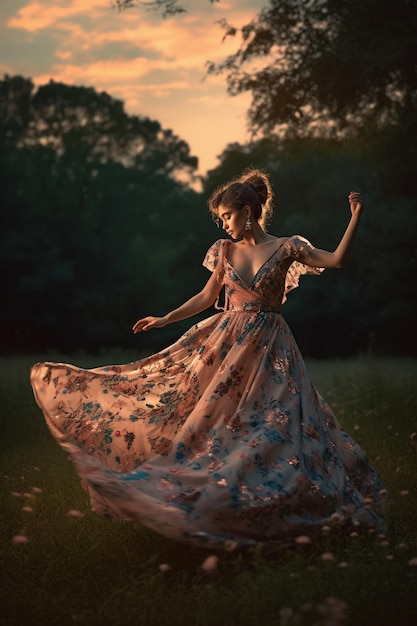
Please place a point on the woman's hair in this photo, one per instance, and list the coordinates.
(251, 188)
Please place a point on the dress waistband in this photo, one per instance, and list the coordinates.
(249, 308)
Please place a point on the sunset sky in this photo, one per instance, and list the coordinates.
(155, 65)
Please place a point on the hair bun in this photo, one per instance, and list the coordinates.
(253, 188)
(258, 184)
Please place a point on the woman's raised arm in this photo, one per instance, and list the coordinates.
(323, 258)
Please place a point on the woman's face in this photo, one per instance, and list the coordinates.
(233, 220)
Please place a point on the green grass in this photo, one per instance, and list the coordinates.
(93, 571)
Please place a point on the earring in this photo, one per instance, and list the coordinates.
(248, 224)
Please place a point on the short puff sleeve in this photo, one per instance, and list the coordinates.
(298, 249)
(215, 254)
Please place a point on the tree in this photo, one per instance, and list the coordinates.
(65, 116)
(90, 198)
(328, 66)
(167, 7)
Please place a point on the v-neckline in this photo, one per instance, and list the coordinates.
(249, 286)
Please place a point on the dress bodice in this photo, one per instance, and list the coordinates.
(275, 278)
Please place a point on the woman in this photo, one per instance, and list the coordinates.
(221, 439)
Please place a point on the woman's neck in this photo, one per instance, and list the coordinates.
(256, 236)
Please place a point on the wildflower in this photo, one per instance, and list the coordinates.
(343, 564)
(334, 611)
(20, 539)
(413, 562)
(210, 564)
(404, 492)
(27, 509)
(36, 490)
(75, 513)
(335, 517)
(164, 567)
(16, 494)
(325, 529)
(327, 556)
(367, 501)
(303, 540)
(285, 616)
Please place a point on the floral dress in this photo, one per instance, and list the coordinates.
(219, 440)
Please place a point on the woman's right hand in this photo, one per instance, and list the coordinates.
(146, 323)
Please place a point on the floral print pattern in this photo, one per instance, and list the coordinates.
(220, 439)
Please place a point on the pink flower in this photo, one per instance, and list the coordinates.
(413, 562)
(327, 556)
(303, 540)
(20, 539)
(75, 513)
(164, 567)
(27, 509)
(210, 564)
(16, 494)
(36, 490)
(286, 615)
(404, 492)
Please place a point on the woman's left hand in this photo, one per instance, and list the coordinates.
(356, 202)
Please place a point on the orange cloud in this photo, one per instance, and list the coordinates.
(38, 15)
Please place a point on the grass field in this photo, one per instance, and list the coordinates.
(81, 569)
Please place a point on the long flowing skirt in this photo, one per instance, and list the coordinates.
(220, 440)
